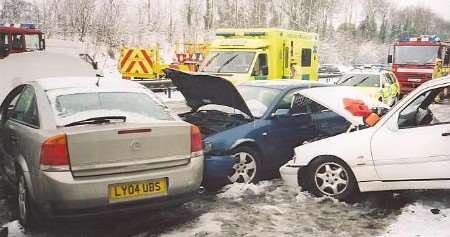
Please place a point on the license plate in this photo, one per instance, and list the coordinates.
(137, 190)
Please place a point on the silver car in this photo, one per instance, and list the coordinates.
(89, 146)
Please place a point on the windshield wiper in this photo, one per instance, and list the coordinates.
(227, 62)
(97, 120)
(363, 80)
(346, 79)
(209, 62)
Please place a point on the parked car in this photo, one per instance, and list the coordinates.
(407, 149)
(380, 84)
(250, 130)
(91, 146)
(330, 73)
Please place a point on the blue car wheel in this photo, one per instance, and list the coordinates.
(246, 167)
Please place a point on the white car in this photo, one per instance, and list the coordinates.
(409, 148)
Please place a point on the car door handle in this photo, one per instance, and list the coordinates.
(446, 134)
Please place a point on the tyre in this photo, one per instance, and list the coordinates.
(329, 176)
(25, 211)
(247, 165)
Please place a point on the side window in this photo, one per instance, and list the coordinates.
(260, 68)
(8, 110)
(318, 108)
(389, 78)
(447, 57)
(299, 106)
(306, 57)
(285, 103)
(286, 57)
(3, 39)
(424, 111)
(17, 41)
(25, 109)
(3, 44)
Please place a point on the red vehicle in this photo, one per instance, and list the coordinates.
(413, 59)
(20, 39)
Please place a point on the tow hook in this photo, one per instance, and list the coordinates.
(201, 190)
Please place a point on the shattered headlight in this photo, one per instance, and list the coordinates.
(207, 147)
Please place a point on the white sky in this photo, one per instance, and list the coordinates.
(441, 7)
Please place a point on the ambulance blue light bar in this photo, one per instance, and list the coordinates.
(420, 38)
(28, 26)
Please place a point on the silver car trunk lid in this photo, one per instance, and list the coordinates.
(121, 148)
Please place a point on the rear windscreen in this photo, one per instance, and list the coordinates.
(137, 107)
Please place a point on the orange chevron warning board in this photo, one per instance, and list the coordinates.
(139, 63)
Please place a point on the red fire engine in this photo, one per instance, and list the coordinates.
(413, 59)
(20, 39)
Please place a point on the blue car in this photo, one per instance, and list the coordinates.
(250, 130)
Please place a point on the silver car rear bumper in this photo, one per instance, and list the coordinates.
(61, 193)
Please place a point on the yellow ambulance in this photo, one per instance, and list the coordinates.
(240, 55)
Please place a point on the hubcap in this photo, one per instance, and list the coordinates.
(22, 199)
(331, 179)
(244, 169)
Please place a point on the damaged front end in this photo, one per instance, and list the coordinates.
(226, 107)
(211, 122)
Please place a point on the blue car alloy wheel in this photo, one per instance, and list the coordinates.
(245, 169)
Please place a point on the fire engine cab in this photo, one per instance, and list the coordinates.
(413, 59)
(21, 38)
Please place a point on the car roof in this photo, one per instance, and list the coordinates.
(17, 69)
(367, 71)
(436, 82)
(52, 83)
(285, 84)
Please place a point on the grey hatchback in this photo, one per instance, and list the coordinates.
(85, 146)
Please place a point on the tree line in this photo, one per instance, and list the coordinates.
(117, 22)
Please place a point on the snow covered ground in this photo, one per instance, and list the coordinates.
(272, 209)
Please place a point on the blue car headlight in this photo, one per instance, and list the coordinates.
(207, 147)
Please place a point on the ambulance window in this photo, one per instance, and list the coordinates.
(286, 57)
(260, 68)
(306, 57)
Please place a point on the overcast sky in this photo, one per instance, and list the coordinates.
(441, 7)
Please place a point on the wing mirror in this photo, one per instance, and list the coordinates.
(390, 59)
(10, 111)
(281, 113)
(265, 70)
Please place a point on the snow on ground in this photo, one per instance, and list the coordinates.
(417, 220)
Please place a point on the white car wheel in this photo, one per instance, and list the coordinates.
(330, 176)
(331, 179)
